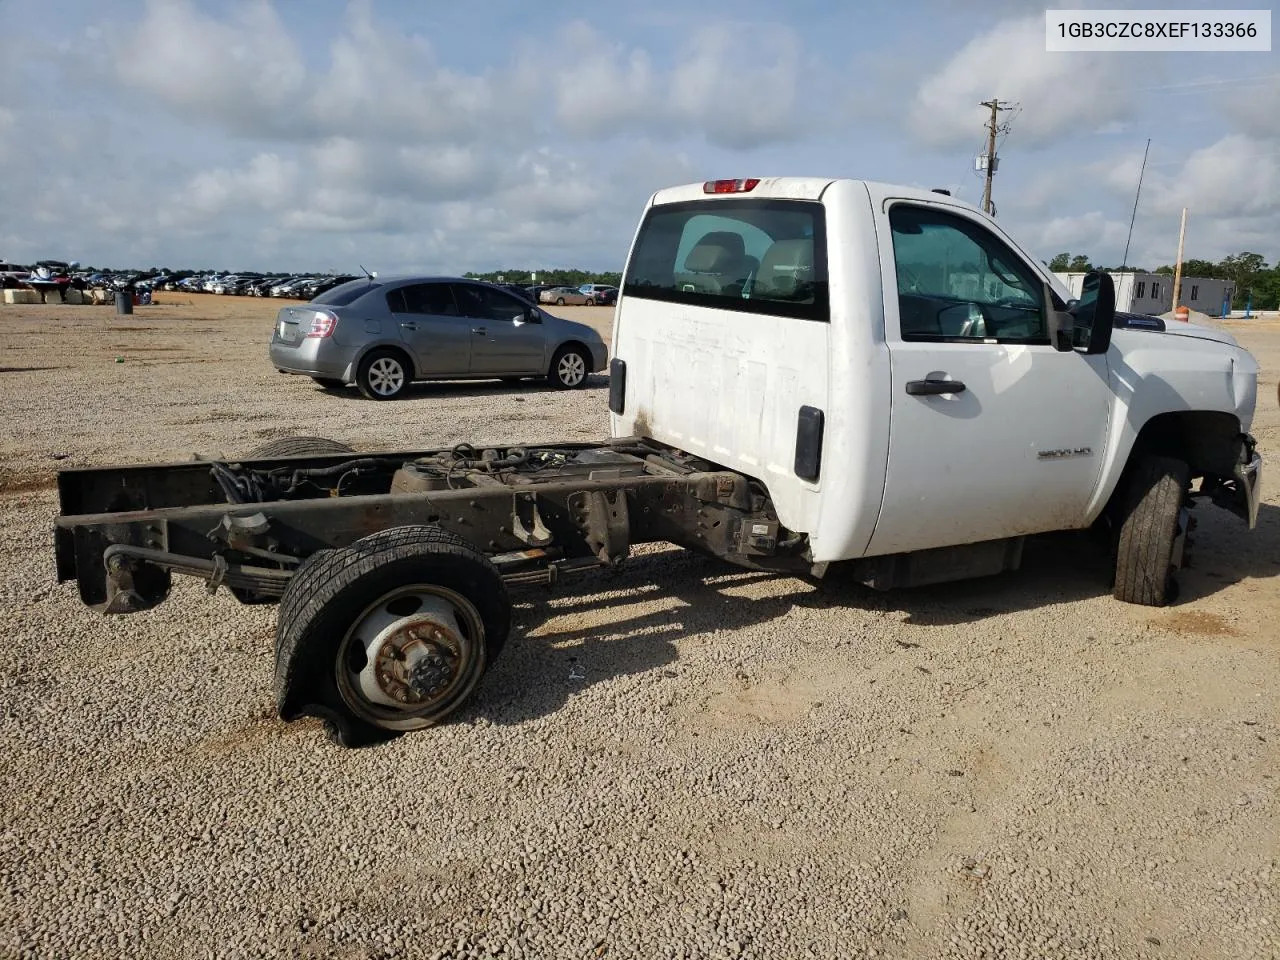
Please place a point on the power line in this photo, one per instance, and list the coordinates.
(1209, 83)
(1234, 156)
(1007, 126)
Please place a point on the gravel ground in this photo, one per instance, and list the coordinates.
(675, 759)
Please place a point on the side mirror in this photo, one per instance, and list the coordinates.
(531, 315)
(1093, 314)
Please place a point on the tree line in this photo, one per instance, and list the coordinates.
(1255, 280)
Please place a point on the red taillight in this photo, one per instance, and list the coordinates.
(730, 186)
(322, 324)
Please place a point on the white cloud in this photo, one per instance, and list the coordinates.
(1237, 176)
(1094, 233)
(267, 183)
(1231, 189)
(1254, 107)
(245, 72)
(1060, 94)
(604, 86)
(734, 84)
(382, 83)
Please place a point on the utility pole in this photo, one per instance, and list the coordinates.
(1177, 270)
(991, 162)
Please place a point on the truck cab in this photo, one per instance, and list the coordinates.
(903, 377)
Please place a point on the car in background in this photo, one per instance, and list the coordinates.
(309, 291)
(262, 288)
(561, 296)
(599, 292)
(381, 334)
(12, 275)
(289, 287)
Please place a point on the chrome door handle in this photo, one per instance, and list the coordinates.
(480, 330)
(409, 326)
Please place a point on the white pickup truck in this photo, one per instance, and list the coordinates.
(805, 372)
(903, 377)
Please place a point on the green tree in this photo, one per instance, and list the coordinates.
(1199, 268)
(1242, 269)
(1164, 271)
(1079, 264)
(1266, 289)
(1060, 262)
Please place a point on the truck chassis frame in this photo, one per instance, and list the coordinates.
(537, 512)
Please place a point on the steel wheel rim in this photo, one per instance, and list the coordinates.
(376, 629)
(572, 369)
(386, 376)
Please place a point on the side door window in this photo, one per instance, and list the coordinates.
(483, 303)
(427, 299)
(957, 281)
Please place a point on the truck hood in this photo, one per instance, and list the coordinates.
(1179, 329)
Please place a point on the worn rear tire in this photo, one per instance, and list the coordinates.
(1154, 499)
(297, 447)
(334, 588)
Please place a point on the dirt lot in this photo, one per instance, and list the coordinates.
(673, 760)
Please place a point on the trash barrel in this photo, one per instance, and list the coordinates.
(124, 302)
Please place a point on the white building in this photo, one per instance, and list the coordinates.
(1152, 293)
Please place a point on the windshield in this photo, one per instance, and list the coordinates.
(345, 293)
(757, 256)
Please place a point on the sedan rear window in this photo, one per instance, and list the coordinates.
(754, 256)
(345, 293)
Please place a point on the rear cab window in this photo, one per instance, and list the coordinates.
(753, 256)
(346, 293)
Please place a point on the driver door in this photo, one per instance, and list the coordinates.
(993, 432)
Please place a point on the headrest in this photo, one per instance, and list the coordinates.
(715, 252)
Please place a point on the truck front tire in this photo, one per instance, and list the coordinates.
(388, 635)
(1149, 531)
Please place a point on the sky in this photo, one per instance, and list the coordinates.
(423, 135)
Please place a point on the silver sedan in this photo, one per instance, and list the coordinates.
(383, 334)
